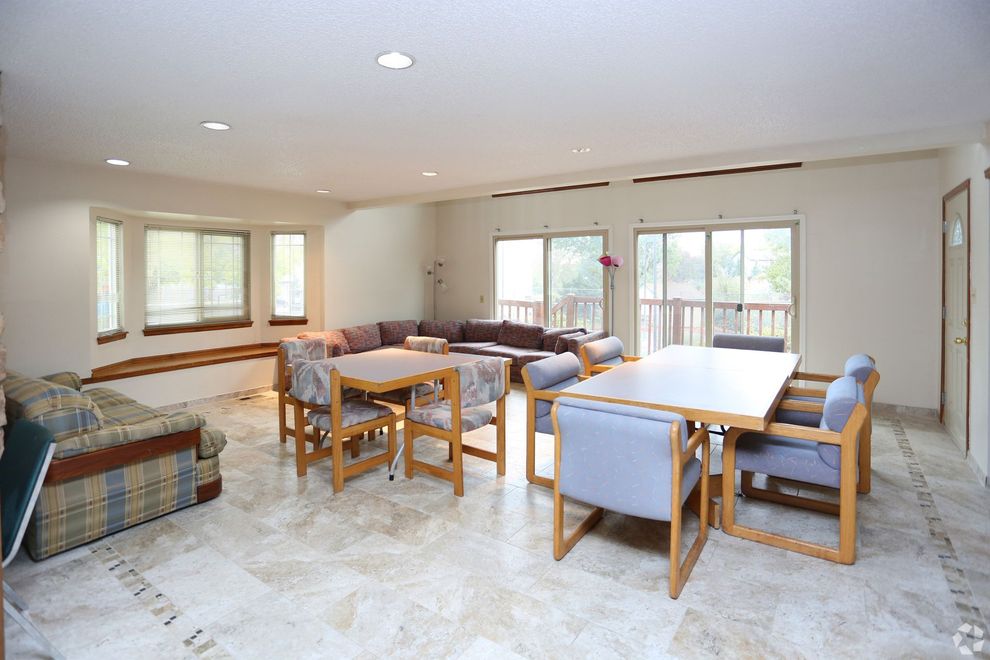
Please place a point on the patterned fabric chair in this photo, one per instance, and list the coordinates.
(424, 391)
(748, 342)
(427, 345)
(632, 460)
(290, 350)
(803, 406)
(602, 355)
(23, 466)
(824, 456)
(468, 387)
(117, 462)
(544, 380)
(316, 385)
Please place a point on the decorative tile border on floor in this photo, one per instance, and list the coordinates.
(164, 611)
(955, 575)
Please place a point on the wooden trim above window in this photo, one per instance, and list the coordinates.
(284, 321)
(732, 170)
(579, 186)
(199, 327)
(111, 336)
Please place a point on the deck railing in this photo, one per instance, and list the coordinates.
(685, 321)
(570, 311)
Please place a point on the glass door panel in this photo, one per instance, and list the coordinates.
(519, 280)
(768, 283)
(727, 282)
(650, 279)
(577, 292)
(684, 289)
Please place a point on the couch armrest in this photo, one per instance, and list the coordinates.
(65, 378)
(211, 442)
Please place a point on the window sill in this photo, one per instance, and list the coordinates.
(113, 336)
(285, 321)
(201, 327)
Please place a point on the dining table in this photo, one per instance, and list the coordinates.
(707, 386)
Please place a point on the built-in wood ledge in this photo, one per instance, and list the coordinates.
(156, 364)
(199, 327)
(733, 170)
(288, 322)
(113, 336)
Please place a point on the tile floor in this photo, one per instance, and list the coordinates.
(279, 567)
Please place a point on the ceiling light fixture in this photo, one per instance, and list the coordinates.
(120, 162)
(215, 125)
(580, 150)
(430, 173)
(324, 191)
(395, 60)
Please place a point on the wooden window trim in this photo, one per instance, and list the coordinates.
(117, 335)
(197, 327)
(288, 321)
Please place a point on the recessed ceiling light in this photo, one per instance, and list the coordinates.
(215, 125)
(325, 191)
(117, 161)
(395, 60)
(580, 150)
(430, 173)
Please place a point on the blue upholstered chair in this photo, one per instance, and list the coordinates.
(602, 355)
(543, 380)
(803, 406)
(825, 456)
(632, 460)
(467, 388)
(23, 466)
(316, 385)
(748, 342)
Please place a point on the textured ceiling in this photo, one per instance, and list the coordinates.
(501, 92)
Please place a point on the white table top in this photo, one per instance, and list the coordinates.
(724, 386)
(391, 368)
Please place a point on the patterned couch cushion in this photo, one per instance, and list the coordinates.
(575, 343)
(476, 330)
(395, 332)
(560, 345)
(128, 413)
(362, 338)
(68, 379)
(452, 331)
(471, 347)
(501, 350)
(62, 410)
(550, 336)
(523, 335)
(113, 436)
(335, 340)
(106, 397)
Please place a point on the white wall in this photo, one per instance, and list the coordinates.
(955, 166)
(872, 244)
(373, 268)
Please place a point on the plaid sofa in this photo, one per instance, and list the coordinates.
(117, 462)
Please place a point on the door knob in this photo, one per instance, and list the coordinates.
(961, 340)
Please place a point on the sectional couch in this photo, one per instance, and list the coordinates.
(521, 342)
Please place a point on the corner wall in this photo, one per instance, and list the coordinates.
(871, 243)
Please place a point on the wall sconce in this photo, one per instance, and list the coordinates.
(438, 282)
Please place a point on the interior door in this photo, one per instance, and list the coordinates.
(954, 410)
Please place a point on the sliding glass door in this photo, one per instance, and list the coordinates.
(551, 279)
(739, 279)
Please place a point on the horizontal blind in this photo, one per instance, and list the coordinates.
(288, 275)
(195, 276)
(109, 276)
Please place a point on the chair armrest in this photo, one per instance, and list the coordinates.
(821, 378)
(582, 377)
(546, 395)
(630, 358)
(803, 406)
(803, 433)
(804, 391)
(696, 440)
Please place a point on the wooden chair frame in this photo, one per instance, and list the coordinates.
(452, 392)
(592, 369)
(845, 553)
(422, 400)
(679, 572)
(340, 436)
(532, 396)
(865, 459)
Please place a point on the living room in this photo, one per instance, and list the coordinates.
(656, 123)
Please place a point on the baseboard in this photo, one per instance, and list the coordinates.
(895, 410)
(981, 476)
(218, 397)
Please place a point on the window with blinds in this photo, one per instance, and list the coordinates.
(195, 276)
(288, 275)
(109, 277)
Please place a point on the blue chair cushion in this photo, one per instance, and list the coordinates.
(841, 398)
(553, 370)
(618, 457)
(787, 458)
(23, 465)
(749, 342)
(860, 366)
(604, 351)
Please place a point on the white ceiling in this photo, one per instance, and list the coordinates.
(500, 93)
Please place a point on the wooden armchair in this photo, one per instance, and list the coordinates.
(543, 380)
(823, 456)
(633, 460)
(602, 355)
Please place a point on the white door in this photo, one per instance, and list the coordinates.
(955, 324)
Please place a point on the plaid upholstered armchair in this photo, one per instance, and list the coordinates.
(117, 462)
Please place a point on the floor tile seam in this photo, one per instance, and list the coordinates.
(957, 581)
(155, 601)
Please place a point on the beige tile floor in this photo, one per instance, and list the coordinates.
(278, 567)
